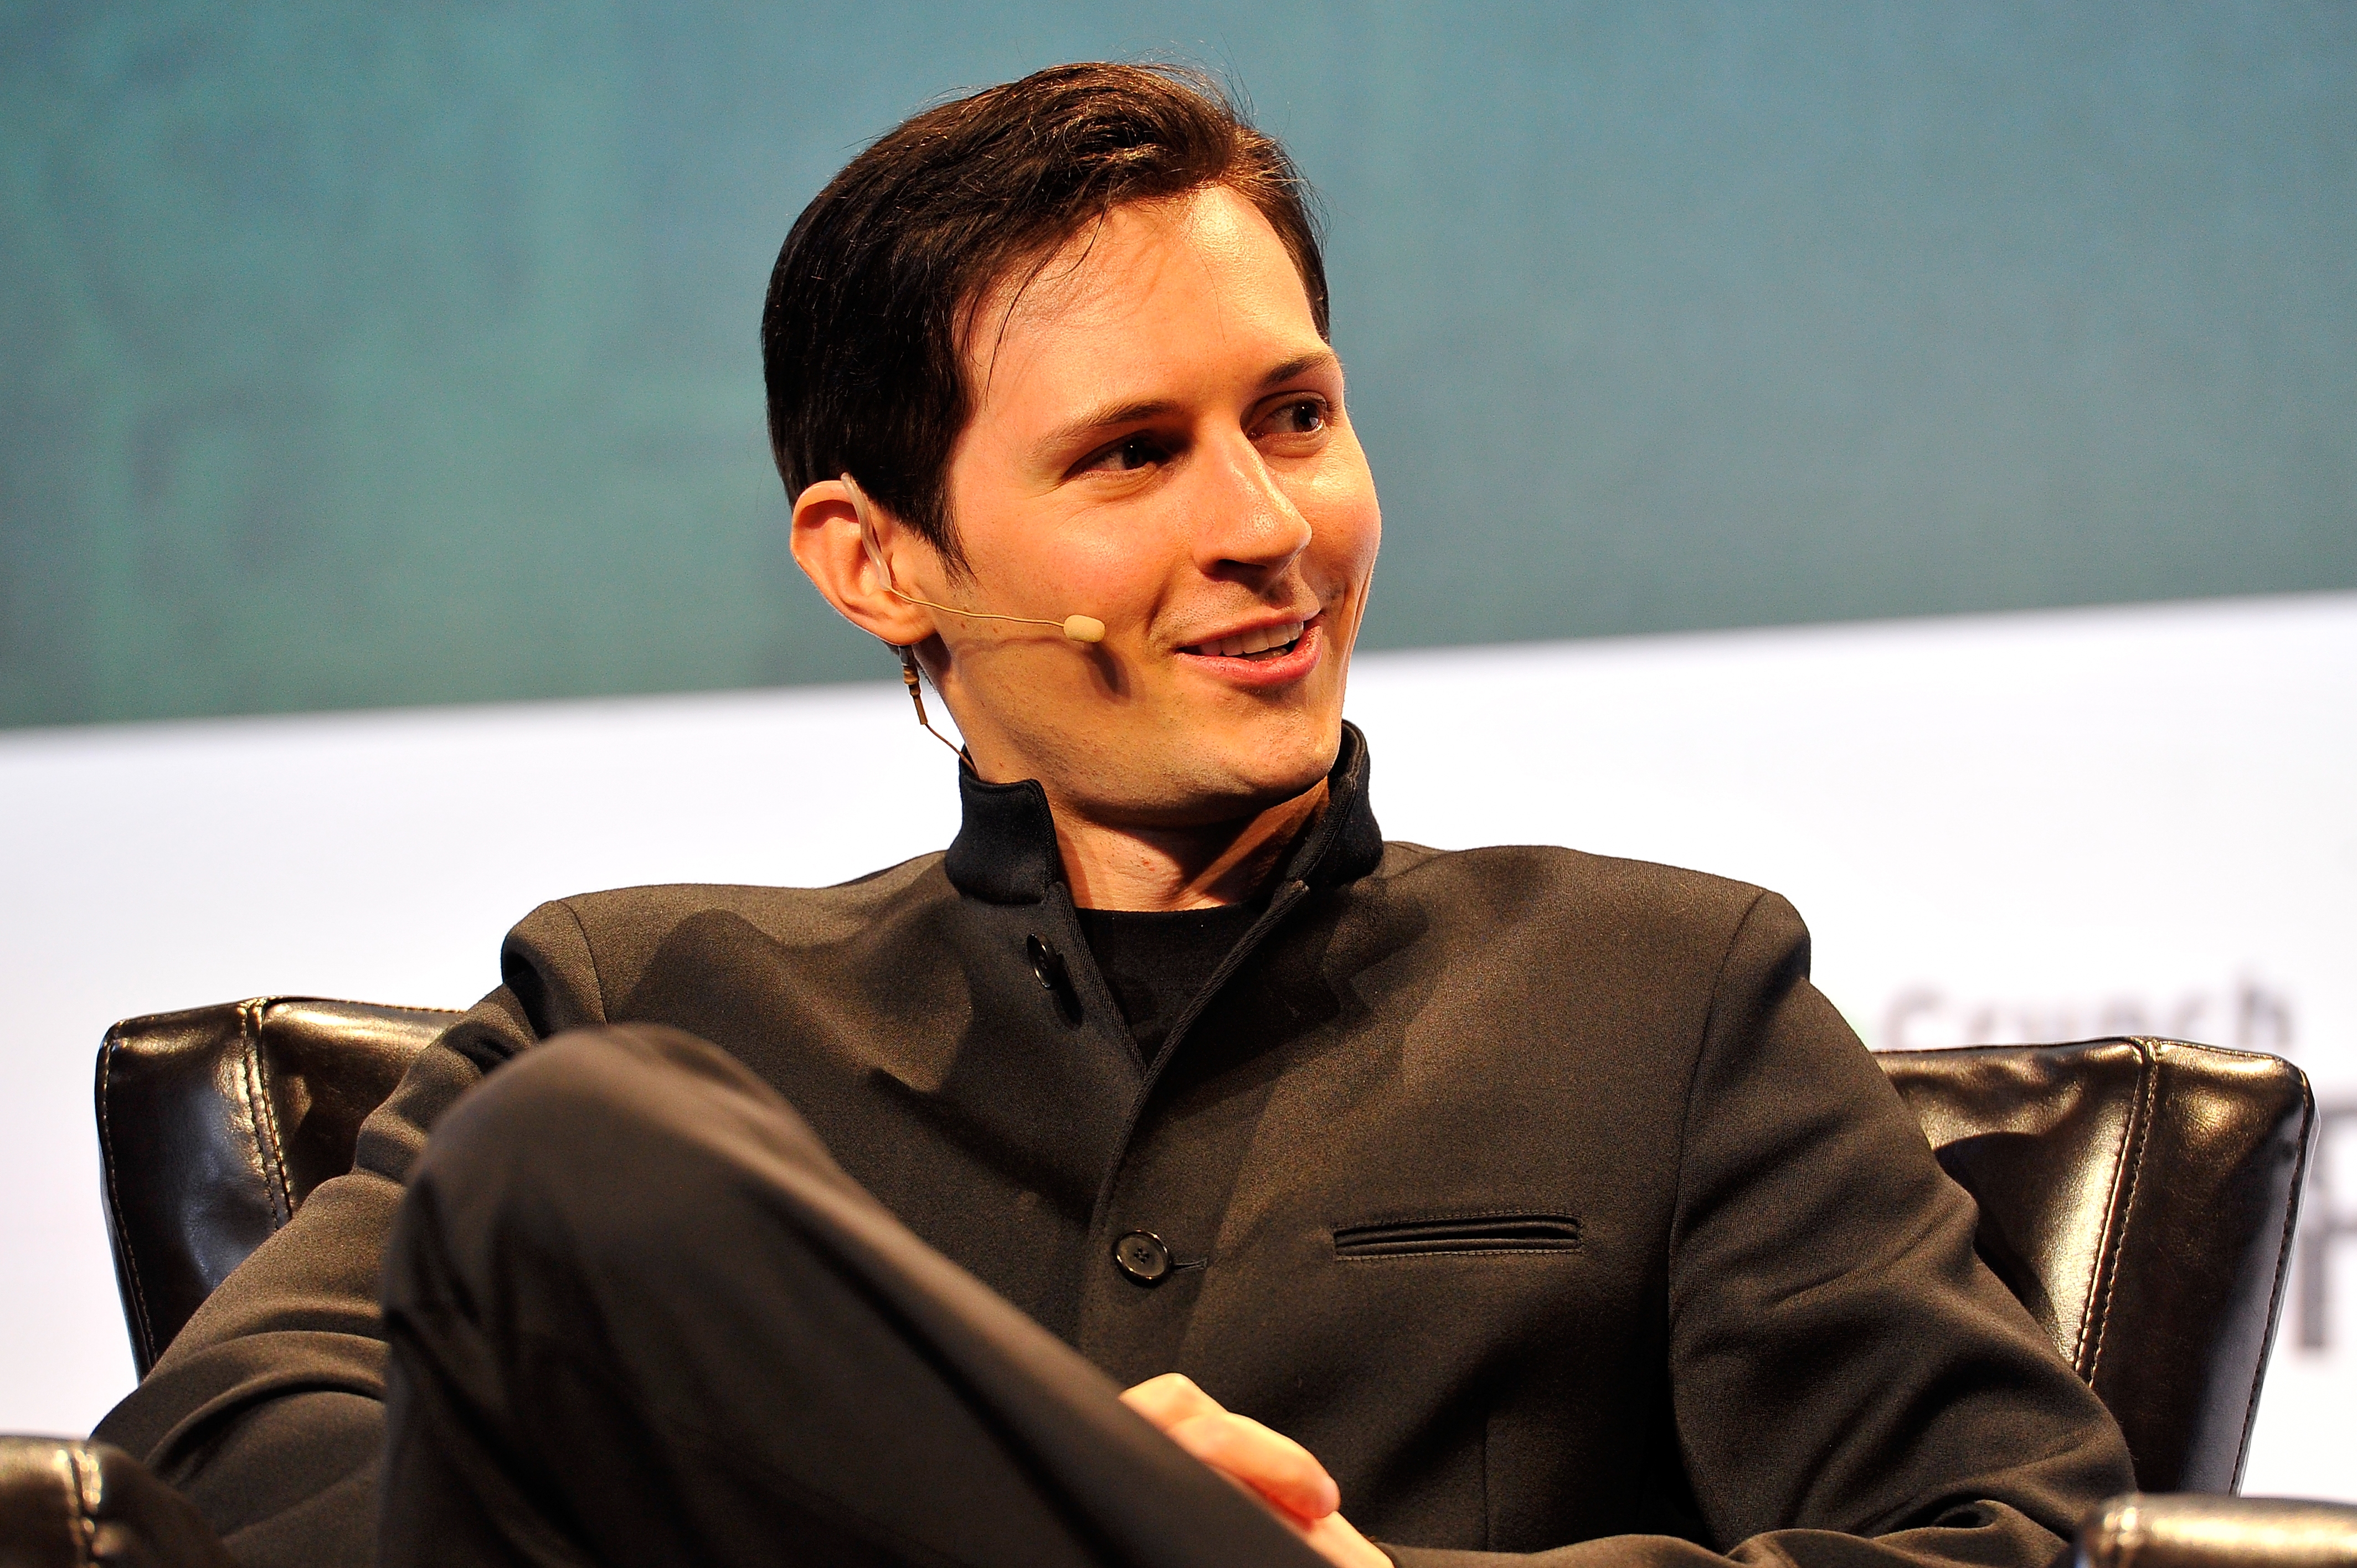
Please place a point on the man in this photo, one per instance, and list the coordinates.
(1536, 1199)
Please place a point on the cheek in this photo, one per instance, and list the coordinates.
(1346, 524)
(1111, 574)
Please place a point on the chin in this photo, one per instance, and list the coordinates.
(1256, 770)
(1196, 774)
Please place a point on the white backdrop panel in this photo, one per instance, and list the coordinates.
(2023, 827)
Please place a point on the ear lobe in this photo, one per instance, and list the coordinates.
(842, 541)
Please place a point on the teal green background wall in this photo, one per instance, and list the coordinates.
(360, 356)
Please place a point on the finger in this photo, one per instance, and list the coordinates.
(1339, 1541)
(1270, 1463)
(1170, 1399)
(1264, 1460)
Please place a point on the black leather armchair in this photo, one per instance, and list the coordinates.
(2138, 1196)
(214, 1124)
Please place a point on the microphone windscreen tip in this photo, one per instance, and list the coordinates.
(1085, 628)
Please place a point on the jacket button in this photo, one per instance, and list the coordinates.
(1048, 968)
(1046, 963)
(1142, 1256)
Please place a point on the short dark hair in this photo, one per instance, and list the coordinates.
(862, 333)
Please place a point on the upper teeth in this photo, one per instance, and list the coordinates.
(1253, 642)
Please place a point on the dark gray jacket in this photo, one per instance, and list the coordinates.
(1538, 1194)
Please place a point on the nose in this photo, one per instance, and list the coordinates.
(1244, 519)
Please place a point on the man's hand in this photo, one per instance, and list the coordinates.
(1268, 1465)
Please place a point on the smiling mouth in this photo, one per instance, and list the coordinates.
(1267, 643)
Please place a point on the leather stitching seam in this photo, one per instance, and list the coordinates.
(83, 1493)
(145, 1322)
(2116, 1244)
(2092, 1303)
(266, 1121)
(347, 1001)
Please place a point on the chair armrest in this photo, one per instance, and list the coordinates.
(2199, 1530)
(72, 1504)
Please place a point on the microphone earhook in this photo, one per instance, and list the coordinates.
(1078, 627)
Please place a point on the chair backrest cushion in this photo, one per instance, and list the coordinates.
(216, 1122)
(2139, 1196)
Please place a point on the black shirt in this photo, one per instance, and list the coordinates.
(1154, 960)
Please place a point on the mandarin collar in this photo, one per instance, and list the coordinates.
(1005, 852)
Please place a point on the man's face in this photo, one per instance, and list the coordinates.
(1159, 441)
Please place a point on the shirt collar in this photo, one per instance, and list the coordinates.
(1005, 852)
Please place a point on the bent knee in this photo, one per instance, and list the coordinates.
(579, 1128)
(594, 1163)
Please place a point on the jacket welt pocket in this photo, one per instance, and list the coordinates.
(1458, 1233)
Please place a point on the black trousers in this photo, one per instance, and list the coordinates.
(638, 1317)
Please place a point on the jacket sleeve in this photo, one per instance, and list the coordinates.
(267, 1411)
(1850, 1387)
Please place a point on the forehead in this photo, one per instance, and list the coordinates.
(1153, 290)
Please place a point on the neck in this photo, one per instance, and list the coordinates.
(1124, 867)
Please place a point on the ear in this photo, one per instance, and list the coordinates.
(846, 556)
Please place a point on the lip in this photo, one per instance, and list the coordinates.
(1258, 674)
(1258, 623)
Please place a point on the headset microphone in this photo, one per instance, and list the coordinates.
(1079, 627)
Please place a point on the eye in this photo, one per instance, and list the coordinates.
(1127, 455)
(1302, 416)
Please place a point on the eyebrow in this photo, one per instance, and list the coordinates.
(1066, 435)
